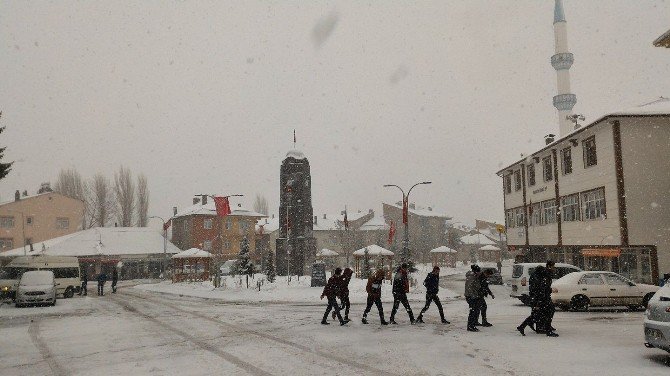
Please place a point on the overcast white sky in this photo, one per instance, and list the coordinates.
(204, 96)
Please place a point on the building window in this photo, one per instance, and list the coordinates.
(207, 245)
(62, 223)
(186, 226)
(6, 243)
(548, 212)
(207, 224)
(570, 208)
(517, 180)
(566, 161)
(226, 244)
(547, 171)
(590, 156)
(510, 219)
(535, 213)
(29, 221)
(594, 204)
(531, 174)
(6, 222)
(519, 216)
(508, 183)
(229, 224)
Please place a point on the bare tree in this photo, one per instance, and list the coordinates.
(101, 200)
(261, 204)
(70, 183)
(124, 189)
(142, 201)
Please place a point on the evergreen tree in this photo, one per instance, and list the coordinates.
(5, 168)
(245, 266)
(270, 271)
(367, 269)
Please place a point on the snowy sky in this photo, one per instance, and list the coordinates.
(204, 96)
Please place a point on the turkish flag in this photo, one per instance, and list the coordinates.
(222, 206)
(391, 233)
(167, 224)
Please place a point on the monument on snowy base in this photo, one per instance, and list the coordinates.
(296, 246)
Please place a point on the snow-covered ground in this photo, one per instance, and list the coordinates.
(140, 332)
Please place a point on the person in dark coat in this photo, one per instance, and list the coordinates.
(84, 283)
(102, 278)
(485, 291)
(343, 293)
(432, 283)
(115, 279)
(400, 290)
(331, 291)
(374, 290)
(540, 298)
(473, 296)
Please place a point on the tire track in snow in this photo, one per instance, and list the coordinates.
(34, 332)
(339, 359)
(248, 367)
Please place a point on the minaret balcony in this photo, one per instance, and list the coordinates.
(562, 61)
(565, 101)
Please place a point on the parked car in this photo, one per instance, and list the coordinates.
(66, 272)
(657, 320)
(521, 274)
(581, 290)
(36, 287)
(495, 278)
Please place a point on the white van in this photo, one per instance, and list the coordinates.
(36, 287)
(65, 269)
(521, 274)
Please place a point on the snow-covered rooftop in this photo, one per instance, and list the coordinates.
(489, 247)
(443, 249)
(660, 106)
(326, 253)
(376, 223)
(102, 241)
(268, 225)
(297, 154)
(373, 250)
(210, 209)
(421, 211)
(193, 252)
(334, 222)
(478, 239)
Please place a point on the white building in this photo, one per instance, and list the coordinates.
(599, 197)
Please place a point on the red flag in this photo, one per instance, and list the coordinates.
(222, 206)
(404, 210)
(167, 224)
(391, 233)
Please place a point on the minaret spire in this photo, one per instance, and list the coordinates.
(562, 61)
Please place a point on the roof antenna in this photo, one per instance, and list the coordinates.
(294, 140)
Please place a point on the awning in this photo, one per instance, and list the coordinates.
(601, 252)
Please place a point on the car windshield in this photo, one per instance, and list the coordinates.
(37, 278)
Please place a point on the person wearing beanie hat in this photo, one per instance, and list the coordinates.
(432, 283)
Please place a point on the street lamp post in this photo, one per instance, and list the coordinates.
(405, 256)
(164, 264)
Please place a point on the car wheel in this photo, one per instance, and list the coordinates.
(579, 303)
(69, 293)
(646, 299)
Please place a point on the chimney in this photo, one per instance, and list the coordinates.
(430, 209)
(548, 139)
(324, 216)
(174, 210)
(17, 195)
(412, 206)
(196, 200)
(316, 217)
(273, 215)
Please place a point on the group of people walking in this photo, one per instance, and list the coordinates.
(102, 279)
(476, 291)
(338, 287)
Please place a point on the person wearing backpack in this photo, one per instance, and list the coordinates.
(432, 283)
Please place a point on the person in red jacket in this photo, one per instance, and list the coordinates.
(331, 291)
(400, 290)
(374, 290)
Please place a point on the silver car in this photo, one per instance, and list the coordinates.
(657, 320)
(36, 287)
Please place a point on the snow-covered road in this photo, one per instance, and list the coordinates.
(138, 332)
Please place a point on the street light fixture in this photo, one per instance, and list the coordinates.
(405, 256)
(164, 266)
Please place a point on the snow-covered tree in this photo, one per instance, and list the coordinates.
(244, 264)
(124, 189)
(270, 271)
(142, 201)
(4, 167)
(367, 268)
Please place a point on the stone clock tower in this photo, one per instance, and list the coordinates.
(296, 246)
